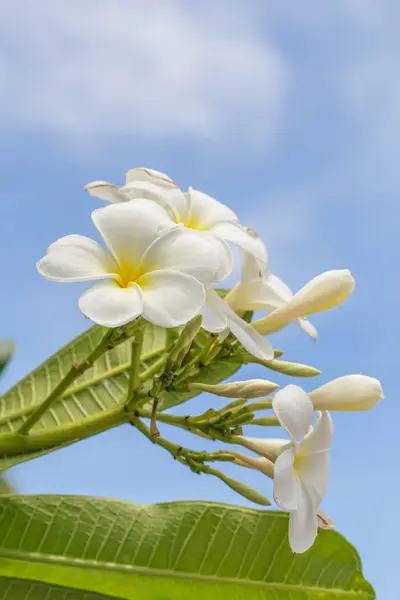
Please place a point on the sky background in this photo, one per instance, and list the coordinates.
(287, 111)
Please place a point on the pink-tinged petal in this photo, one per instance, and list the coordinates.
(321, 437)
(201, 255)
(294, 409)
(107, 304)
(303, 524)
(206, 211)
(170, 298)
(141, 174)
(287, 487)
(77, 258)
(105, 191)
(129, 228)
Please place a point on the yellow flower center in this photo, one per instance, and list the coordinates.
(298, 462)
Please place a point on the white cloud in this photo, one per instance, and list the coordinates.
(89, 69)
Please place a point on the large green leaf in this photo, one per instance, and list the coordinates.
(176, 551)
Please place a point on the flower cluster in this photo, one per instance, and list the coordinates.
(164, 249)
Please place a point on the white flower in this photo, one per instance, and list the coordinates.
(192, 209)
(301, 471)
(153, 268)
(326, 291)
(350, 392)
(218, 316)
(259, 289)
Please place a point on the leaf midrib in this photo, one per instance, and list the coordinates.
(49, 559)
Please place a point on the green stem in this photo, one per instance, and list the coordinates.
(153, 370)
(179, 452)
(75, 371)
(15, 443)
(134, 378)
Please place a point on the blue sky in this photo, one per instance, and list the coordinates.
(289, 112)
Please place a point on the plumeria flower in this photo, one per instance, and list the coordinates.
(151, 267)
(259, 289)
(326, 291)
(218, 317)
(193, 209)
(301, 471)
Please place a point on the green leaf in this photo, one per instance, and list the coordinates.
(7, 348)
(100, 388)
(175, 551)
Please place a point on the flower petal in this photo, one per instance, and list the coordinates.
(151, 176)
(314, 472)
(252, 341)
(235, 233)
(321, 436)
(206, 211)
(201, 255)
(214, 320)
(77, 258)
(252, 269)
(107, 304)
(172, 200)
(294, 409)
(105, 191)
(303, 524)
(129, 228)
(170, 298)
(308, 328)
(286, 482)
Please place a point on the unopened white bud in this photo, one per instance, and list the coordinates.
(254, 388)
(259, 464)
(350, 392)
(269, 448)
(326, 291)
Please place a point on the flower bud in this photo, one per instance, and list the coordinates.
(254, 388)
(269, 448)
(245, 491)
(259, 464)
(351, 392)
(326, 291)
(291, 369)
(182, 345)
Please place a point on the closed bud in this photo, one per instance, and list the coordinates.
(291, 369)
(184, 341)
(269, 448)
(350, 392)
(235, 404)
(254, 388)
(241, 419)
(326, 291)
(259, 464)
(245, 491)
